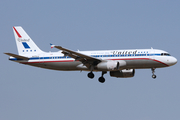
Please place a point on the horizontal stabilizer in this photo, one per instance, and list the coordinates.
(17, 56)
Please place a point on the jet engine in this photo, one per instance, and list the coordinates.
(123, 73)
(110, 65)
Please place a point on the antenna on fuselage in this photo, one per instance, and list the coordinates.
(151, 48)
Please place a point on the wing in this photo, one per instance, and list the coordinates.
(85, 59)
(17, 56)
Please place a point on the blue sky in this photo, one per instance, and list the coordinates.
(33, 93)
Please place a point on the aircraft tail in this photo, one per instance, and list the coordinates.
(25, 44)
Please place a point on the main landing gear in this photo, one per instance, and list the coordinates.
(101, 79)
(90, 75)
(153, 71)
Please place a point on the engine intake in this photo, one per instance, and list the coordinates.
(123, 73)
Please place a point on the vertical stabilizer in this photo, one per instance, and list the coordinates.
(25, 44)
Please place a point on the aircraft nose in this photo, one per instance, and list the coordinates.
(172, 61)
(175, 61)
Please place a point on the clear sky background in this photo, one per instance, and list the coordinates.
(30, 93)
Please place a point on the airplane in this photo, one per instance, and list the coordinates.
(119, 63)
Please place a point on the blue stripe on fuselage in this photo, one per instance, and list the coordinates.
(95, 56)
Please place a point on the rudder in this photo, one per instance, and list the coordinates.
(25, 44)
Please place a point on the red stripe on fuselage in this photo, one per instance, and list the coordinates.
(17, 33)
(107, 59)
(160, 62)
(141, 59)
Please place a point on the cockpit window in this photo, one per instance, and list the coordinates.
(165, 54)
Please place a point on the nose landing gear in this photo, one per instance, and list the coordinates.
(153, 71)
(154, 76)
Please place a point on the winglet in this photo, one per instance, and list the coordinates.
(52, 46)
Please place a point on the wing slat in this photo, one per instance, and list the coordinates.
(85, 59)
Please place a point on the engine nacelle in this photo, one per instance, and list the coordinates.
(110, 65)
(123, 73)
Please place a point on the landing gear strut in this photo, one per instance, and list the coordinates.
(102, 79)
(153, 71)
(91, 74)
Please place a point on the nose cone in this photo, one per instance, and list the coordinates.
(172, 61)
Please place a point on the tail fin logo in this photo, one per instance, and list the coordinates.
(20, 39)
(17, 32)
(26, 46)
(23, 40)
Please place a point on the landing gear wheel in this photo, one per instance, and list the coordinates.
(101, 79)
(154, 76)
(153, 71)
(90, 75)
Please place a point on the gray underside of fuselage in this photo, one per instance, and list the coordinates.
(72, 66)
(63, 66)
(143, 64)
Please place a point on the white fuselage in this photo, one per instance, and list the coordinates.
(120, 63)
(131, 59)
